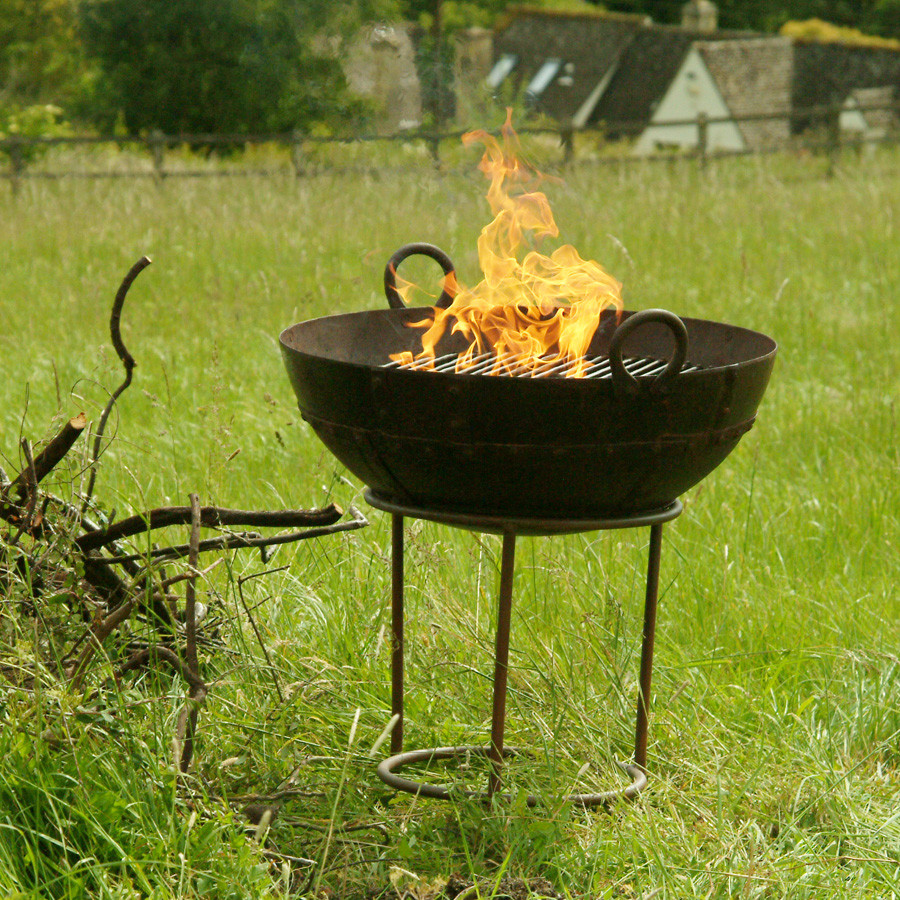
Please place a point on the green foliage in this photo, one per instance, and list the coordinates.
(77, 824)
(775, 727)
(457, 14)
(825, 32)
(40, 54)
(875, 16)
(213, 65)
(885, 18)
(39, 120)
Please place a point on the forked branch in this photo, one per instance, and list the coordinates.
(127, 361)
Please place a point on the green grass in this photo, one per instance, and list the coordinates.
(775, 738)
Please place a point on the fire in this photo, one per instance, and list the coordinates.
(528, 312)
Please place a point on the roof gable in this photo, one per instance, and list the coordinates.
(587, 46)
(754, 77)
(693, 91)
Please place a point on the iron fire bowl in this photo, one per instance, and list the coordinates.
(523, 446)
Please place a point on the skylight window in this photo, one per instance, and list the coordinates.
(501, 70)
(544, 78)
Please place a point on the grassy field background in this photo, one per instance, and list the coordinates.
(775, 736)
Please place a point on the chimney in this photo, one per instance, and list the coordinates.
(700, 15)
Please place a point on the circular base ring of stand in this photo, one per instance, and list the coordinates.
(509, 528)
(387, 770)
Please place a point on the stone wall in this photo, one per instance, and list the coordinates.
(380, 65)
(754, 77)
(826, 74)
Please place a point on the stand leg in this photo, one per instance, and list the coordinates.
(643, 709)
(397, 630)
(501, 661)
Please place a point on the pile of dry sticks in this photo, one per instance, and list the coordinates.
(52, 547)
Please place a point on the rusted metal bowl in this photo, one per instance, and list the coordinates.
(526, 446)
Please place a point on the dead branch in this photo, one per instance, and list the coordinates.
(275, 856)
(190, 594)
(184, 576)
(239, 541)
(127, 361)
(110, 598)
(47, 459)
(260, 641)
(31, 488)
(142, 657)
(98, 633)
(187, 720)
(109, 586)
(210, 517)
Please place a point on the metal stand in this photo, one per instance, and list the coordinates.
(510, 528)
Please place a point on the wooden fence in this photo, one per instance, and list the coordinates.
(20, 150)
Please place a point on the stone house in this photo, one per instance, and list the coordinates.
(556, 60)
(839, 75)
(869, 112)
(748, 77)
(632, 75)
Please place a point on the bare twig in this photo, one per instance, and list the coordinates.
(112, 589)
(238, 541)
(48, 458)
(260, 641)
(270, 798)
(190, 594)
(127, 361)
(184, 576)
(187, 720)
(31, 487)
(99, 632)
(270, 806)
(286, 857)
(210, 517)
(142, 657)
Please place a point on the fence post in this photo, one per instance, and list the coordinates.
(434, 145)
(702, 138)
(567, 139)
(157, 143)
(834, 140)
(297, 154)
(16, 162)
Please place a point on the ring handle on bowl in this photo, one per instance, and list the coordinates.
(390, 272)
(622, 378)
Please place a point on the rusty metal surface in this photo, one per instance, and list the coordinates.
(648, 640)
(387, 772)
(496, 752)
(528, 526)
(530, 446)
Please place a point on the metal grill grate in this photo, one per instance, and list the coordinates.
(597, 367)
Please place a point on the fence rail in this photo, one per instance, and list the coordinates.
(825, 135)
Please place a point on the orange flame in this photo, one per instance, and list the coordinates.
(527, 312)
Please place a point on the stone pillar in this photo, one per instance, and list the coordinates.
(380, 65)
(700, 15)
(473, 62)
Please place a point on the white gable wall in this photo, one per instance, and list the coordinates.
(851, 117)
(693, 91)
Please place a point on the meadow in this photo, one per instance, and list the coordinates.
(774, 753)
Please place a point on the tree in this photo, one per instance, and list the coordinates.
(884, 19)
(40, 58)
(760, 15)
(238, 66)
